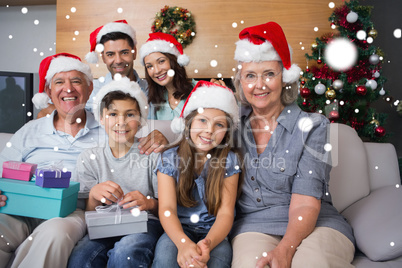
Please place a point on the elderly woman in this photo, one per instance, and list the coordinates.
(285, 217)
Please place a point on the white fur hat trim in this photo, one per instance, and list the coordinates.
(163, 47)
(126, 86)
(65, 64)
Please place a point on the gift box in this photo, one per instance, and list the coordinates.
(17, 170)
(24, 198)
(52, 178)
(109, 224)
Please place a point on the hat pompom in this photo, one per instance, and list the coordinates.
(292, 74)
(91, 57)
(183, 60)
(177, 125)
(41, 100)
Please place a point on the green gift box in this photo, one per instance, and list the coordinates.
(24, 198)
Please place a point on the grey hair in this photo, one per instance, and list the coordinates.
(289, 92)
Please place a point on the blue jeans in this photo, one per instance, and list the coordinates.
(166, 251)
(134, 250)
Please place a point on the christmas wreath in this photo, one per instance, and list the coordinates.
(176, 21)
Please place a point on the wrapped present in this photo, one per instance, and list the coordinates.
(17, 170)
(109, 221)
(24, 198)
(52, 178)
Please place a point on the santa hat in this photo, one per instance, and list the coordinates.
(49, 66)
(165, 43)
(267, 42)
(126, 86)
(207, 95)
(95, 37)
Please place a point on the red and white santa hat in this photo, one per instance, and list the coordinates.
(49, 66)
(267, 42)
(207, 95)
(165, 43)
(95, 37)
(128, 87)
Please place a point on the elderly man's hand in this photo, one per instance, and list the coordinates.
(154, 142)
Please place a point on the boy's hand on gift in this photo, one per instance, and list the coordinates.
(3, 199)
(107, 192)
(137, 199)
(154, 142)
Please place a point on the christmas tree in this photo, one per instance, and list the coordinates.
(345, 93)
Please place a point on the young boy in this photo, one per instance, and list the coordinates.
(119, 174)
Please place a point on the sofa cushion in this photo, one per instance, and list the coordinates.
(376, 222)
(349, 178)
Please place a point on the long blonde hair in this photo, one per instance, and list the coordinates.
(216, 172)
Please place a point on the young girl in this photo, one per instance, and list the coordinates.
(168, 85)
(118, 173)
(198, 182)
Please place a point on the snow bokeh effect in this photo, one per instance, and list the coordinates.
(341, 54)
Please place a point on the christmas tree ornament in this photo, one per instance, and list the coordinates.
(352, 17)
(379, 131)
(319, 61)
(371, 84)
(333, 115)
(382, 92)
(319, 88)
(330, 94)
(374, 59)
(314, 45)
(303, 82)
(333, 26)
(373, 33)
(389, 99)
(361, 35)
(374, 122)
(376, 74)
(361, 90)
(337, 84)
(305, 92)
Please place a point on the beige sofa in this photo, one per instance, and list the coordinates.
(365, 188)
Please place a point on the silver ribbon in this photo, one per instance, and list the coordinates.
(111, 208)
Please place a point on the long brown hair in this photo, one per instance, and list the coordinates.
(216, 171)
(181, 83)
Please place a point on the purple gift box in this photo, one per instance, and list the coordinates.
(17, 170)
(52, 178)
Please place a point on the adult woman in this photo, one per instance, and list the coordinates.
(285, 217)
(168, 85)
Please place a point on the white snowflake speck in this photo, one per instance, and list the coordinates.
(341, 54)
(112, 170)
(148, 197)
(119, 10)
(135, 212)
(234, 25)
(305, 124)
(196, 71)
(183, 240)
(64, 169)
(78, 120)
(213, 63)
(236, 167)
(73, 9)
(30, 238)
(397, 185)
(103, 200)
(200, 110)
(167, 213)
(376, 167)
(194, 218)
(24, 10)
(92, 156)
(310, 172)
(300, 218)
(397, 33)
(76, 32)
(264, 254)
(56, 149)
(209, 156)
(392, 244)
(36, 22)
(328, 147)
(99, 48)
(171, 73)
(8, 144)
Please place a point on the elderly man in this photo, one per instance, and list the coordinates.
(55, 139)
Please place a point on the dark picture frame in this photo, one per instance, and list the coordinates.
(16, 91)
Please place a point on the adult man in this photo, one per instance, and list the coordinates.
(54, 140)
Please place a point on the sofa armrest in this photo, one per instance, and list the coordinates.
(376, 220)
